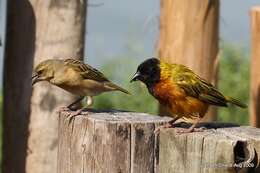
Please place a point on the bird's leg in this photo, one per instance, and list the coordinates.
(169, 124)
(75, 102)
(192, 128)
(80, 111)
(73, 114)
(69, 107)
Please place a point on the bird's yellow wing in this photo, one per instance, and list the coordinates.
(197, 87)
(86, 71)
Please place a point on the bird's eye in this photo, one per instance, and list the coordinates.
(40, 72)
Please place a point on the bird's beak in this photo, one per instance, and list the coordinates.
(136, 76)
(35, 78)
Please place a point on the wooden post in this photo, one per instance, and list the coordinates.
(60, 33)
(222, 150)
(255, 72)
(36, 30)
(19, 54)
(124, 142)
(118, 142)
(189, 35)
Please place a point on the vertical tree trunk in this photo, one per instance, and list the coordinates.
(19, 53)
(61, 29)
(189, 35)
(255, 72)
(40, 30)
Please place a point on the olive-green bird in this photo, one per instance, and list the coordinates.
(75, 77)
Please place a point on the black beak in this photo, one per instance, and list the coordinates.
(136, 76)
(35, 78)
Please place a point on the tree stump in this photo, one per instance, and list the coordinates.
(221, 150)
(125, 142)
(112, 142)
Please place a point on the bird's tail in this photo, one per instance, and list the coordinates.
(236, 102)
(116, 87)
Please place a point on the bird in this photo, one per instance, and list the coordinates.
(184, 93)
(76, 77)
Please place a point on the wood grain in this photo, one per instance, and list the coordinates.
(255, 72)
(120, 142)
(221, 150)
(60, 33)
(125, 142)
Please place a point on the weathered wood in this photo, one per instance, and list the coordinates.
(230, 149)
(120, 142)
(189, 35)
(255, 72)
(124, 142)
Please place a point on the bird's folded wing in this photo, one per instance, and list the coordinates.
(212, 100)
(86, 71)
(196, 87)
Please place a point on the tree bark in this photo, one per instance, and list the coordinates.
(37, 30)
(189, 35)
(61, 34)
(19, 53)
(255, 72)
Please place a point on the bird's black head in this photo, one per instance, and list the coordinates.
(148, 72)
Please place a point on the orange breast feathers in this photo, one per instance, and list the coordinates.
(177, 101)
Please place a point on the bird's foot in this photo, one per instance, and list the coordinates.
(167, 125)
(75, 113)
(190, 130)
(64, 109)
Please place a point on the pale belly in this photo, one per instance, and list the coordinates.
(86, 88)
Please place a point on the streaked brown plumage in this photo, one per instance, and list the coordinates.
(75, 77)
(182, 91)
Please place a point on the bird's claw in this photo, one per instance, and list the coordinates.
(75, 113)
(167, 125)
(190, 130)
(157, 130)
(63, 109)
